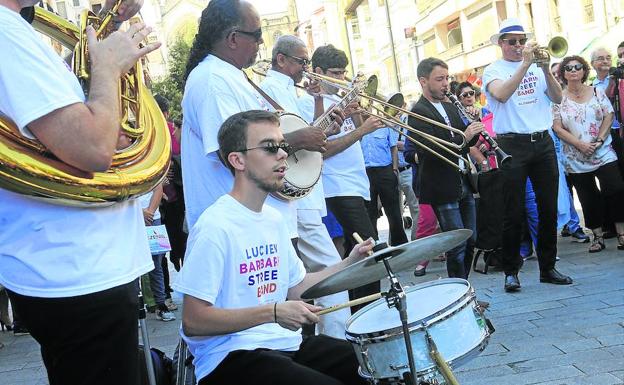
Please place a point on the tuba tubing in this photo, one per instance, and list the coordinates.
(27, 168)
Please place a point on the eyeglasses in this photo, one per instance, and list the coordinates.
(257, 34)
(576, 67)
(301, 61)
(467, 93)
(522, 41)
(271, 148)
(605, 58)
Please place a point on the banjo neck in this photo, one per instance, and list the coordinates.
(326, 120)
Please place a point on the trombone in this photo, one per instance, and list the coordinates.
(392, 122)
(370, 93)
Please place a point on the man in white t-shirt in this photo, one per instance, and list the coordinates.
(71, 271)
(519, 93)
(242, 279)
(216, 88)
(314, 245)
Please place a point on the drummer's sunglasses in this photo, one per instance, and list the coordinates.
(570, 67)
(271, 148)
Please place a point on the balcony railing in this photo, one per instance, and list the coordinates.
(452, 51)
(588, 12)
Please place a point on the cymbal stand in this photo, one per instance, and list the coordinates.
(396, 298)
(149, 364)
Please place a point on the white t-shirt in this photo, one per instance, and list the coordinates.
(49, 250)
(145, 202)
(528, 108)
(214, 91)
(244, 259)
(282, 89)
(344, 174)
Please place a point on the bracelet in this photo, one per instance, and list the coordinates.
(275, 312)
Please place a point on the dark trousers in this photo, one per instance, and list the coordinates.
(350, 211)
(384, 185)
(319, 360)
(85, 340)
(173, 218)
(459, 215)
(535, 158)
(611, 193)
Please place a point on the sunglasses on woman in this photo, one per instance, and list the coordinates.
(576, 67)
(467, 93)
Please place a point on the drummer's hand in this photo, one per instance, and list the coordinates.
(360, 251)
(293, 315)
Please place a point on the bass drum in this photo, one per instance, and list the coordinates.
(446, 308)
(304, 167)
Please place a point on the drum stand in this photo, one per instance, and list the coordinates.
(396, 298)
(145, 338)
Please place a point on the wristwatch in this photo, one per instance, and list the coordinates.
(600, 140)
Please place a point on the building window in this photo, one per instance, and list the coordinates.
(429, 45)
(61, 9)
(588, 11)
(355, 28)
(76, 3)
(454, 35)
(480, 24)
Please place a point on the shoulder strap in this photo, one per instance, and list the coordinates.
(264, 94)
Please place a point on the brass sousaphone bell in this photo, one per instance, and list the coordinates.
(28, 168)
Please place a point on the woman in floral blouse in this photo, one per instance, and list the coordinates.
(582, 121)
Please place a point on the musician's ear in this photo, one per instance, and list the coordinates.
(236, 161)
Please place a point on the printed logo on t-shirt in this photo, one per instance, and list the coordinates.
(527, 87)
(261, 268)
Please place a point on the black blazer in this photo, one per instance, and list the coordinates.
(439, 182)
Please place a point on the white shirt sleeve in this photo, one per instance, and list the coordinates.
(32, 83)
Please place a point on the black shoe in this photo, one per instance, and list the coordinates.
(553, 276)
(565, 232)
(512, 283)
(580, 236)
(19, 330)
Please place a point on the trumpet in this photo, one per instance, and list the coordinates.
(502, 156)
(557, 47)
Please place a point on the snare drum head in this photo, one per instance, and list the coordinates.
(423, 301)
(304, 167)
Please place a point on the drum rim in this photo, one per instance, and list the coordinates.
(427, 321)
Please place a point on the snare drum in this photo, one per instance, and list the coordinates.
(304, 167)
(447, 308)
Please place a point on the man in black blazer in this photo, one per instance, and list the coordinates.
(443, 184)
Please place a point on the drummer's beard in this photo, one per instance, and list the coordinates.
(267, 186)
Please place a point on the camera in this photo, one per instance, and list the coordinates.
(617, 72)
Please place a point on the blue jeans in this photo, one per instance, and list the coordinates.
(459, 215)
(156, 276)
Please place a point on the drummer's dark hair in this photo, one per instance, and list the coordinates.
(218, 19)
(232, 136)
(426, 66)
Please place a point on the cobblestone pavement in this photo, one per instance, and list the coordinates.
(545, 334)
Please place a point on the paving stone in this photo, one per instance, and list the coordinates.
(601, 366)
(534, 377)
(597, 379)
(579, 345)
(605, 330)
(574, 358)
(610, 340)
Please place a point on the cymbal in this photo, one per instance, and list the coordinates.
(400, 258)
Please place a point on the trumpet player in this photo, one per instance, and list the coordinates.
(520, 93)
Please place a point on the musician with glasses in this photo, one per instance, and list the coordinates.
(242, 279)
(519, 94)
(216, 88)
(71, 271)
(315, 247)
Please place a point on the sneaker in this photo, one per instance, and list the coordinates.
(170, 305)
(565, 232)
(19, 330)
(165, 315)
(579, 236)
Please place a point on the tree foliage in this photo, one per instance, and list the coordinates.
(172, 85)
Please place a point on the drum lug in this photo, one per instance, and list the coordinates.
(367, 362)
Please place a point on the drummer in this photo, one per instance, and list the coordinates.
(242, 280)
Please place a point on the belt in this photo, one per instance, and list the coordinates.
(401, 169)
(532, 137)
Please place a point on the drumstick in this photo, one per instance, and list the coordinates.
(359, 239)
(354, 302)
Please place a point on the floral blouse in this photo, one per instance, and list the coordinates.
(583, 120)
